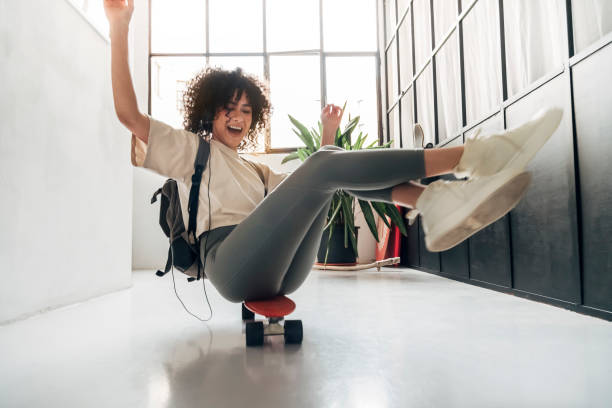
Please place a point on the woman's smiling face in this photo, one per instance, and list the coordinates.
(232, 123)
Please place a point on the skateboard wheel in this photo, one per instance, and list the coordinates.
(247, 314)
(254, 333)
(293, 332)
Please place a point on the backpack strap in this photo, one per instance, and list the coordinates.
(194, 192)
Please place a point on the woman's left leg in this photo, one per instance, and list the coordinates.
(253, 260)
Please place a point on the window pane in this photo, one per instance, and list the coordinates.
(407, 104)
(405, 52)
(232, 31)
(535, 40)
(353, 79)
(178, 26)
(445, 15)
(402, 5)
(390, 19)
(292, 25)
(448, 81)
(425, 104)
(422, 32)
(482, 60)
(169, 76)
(299, 98)
(392, 85)
(592, 20)
(250, 65)
(394, 127)
(359, 35)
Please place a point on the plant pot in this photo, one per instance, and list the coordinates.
(338, 254)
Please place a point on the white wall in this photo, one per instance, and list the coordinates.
(65, 177)
(150, 245)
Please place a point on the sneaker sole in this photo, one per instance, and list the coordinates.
(473, 217)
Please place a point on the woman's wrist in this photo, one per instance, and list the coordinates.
(119, 28)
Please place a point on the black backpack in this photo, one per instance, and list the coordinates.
(184, 249)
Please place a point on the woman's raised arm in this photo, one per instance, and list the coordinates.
(119, 13)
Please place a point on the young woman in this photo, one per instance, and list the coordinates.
(264, 235)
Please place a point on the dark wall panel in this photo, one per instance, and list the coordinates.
(429, 260)
(410, 246)
(593, 107)
(489, 249)
(544, 228)
(455, 261)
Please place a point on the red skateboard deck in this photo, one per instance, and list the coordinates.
(278, 306)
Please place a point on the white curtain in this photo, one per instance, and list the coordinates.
(407, 103)
(390, 18)
(394, 126)
(482, 58)
(445, 15)
(405, 52)
(592, 20)
(449, 88)
(422, 32)
(392, 73)
(425, 103)
(536, 40)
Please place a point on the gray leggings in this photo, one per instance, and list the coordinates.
(272, 251)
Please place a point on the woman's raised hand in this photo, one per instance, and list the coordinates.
(331, 115)
(119, 11)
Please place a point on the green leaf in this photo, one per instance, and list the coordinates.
(372, 145)
(338, 138)
(380, 208)
(331, 232)
(396, 217)
(302, 153)
(334, 214)
(304, 134)
(348, 130)
(317, 138)
(349, 223)
(290, 157)
(361, 141)
(369, 217)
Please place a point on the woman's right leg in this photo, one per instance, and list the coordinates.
(254, 258)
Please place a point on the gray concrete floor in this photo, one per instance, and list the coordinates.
(395, 338)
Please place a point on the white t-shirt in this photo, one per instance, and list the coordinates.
(237, 185)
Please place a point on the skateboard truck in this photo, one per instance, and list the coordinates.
(275, 310)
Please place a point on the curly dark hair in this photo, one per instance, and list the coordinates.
(212, 89)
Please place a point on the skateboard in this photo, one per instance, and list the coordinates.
(275, 310)
(377, 265)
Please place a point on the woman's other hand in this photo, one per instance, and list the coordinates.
(119, 11)
(331, 115)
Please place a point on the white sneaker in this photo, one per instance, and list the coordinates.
(418, 136)
(452, 211)
(411, 216)
(485, 155)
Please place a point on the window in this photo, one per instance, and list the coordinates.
(535, 40)
(592, 20)
(305, 63)
(482, 51)
(392, 86)
(425, 104)
(422, 32)
(405, 53)
(445, 15)
(448, 82)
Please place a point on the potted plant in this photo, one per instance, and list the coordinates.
(340, 216)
